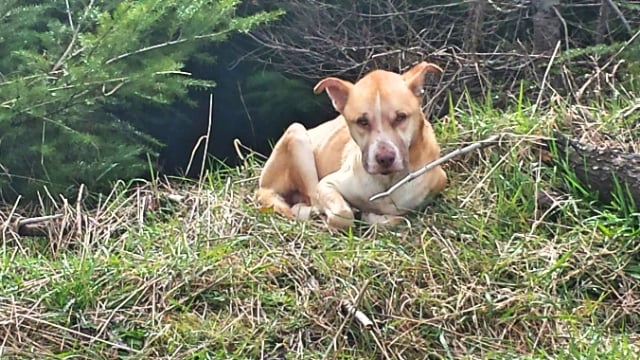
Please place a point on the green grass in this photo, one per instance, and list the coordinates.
(482, 272)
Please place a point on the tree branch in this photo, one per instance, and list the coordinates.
(616, 9)
(164, 44)
(490, 141)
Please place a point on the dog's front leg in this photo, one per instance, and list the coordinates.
(331, 202)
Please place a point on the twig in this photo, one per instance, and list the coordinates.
(63, 329)
(206, 144)
(39, 219)
(246, 111)
(360, 317)
(30, 226)
(79, 210)
(365, 322)
(346, 320)
(74, 38)
(70, 16)
(164, 44)
(616, 9)
(564, 26)
(194, 152)
(467, 149)
(545, 78)
(607, 64)
(239, 146)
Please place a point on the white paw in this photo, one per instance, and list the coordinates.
(385, 220)
(340, 219)
(302, 211)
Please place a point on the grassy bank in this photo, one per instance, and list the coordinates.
(184, 270)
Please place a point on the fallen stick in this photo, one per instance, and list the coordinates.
(467, 149)
(39, 219)
(360, 317)
(37, 226)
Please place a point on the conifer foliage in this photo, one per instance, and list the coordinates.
(68, 67)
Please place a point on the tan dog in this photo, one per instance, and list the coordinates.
(380, 136)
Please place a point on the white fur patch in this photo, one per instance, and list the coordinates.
(377, 113)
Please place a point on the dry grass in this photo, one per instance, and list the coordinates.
(180, 270)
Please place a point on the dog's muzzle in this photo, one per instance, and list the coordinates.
(383, 158)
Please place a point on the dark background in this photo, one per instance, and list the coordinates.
(250, 103)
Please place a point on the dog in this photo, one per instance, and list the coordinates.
(379, 137)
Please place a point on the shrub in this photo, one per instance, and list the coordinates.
(69, 69)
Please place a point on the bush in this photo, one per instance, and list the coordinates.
(68, 70)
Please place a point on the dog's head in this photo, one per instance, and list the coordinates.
(383, 112)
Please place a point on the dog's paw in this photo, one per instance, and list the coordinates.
(303, 211)
(341, 219)
(384, 220)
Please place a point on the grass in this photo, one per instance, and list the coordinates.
(192, 270)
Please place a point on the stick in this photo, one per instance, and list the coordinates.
(334, 342)
(545, 78)
(467, 149)
(39, 219)
(206, 144)
(360, 317)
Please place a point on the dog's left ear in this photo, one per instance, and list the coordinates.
(414, 77)
(338, 91)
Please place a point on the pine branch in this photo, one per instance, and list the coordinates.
(74, 38)
(164, 44)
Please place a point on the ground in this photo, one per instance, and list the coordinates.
(175, 269)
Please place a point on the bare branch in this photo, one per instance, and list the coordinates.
(481, 44)
(490, 141)
(616, 9)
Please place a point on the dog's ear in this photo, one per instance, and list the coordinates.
(338, 91)
(414, 77)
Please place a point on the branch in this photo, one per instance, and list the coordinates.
(606, 65)
(612, 174)
(37, 226)
(74, 38)
(616, 9)
(164, 44)
(492, 140)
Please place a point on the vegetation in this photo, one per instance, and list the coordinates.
(74, 75)
(485, 47)
(192, 270)
(516, 259)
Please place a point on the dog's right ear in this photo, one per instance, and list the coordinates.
(338, 91)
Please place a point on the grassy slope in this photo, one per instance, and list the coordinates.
(478, 274)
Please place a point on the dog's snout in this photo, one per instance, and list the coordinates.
(385, 158)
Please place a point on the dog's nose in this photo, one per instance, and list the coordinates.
(385, 158)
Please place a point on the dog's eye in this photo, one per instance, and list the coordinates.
(400, 117)
(362, 121)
